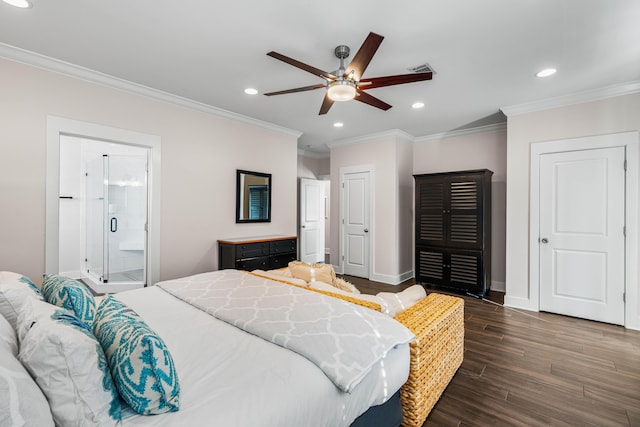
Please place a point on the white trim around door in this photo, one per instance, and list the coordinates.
(631, 143)
(57, 126)
(371, 217)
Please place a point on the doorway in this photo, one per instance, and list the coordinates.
(582, 256)
(355, 232)
(582, 224)
(116, 217)
(103, 205)
(312, 220)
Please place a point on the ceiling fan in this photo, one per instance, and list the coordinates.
(347, 83)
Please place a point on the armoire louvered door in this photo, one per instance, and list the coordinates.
(453, 230)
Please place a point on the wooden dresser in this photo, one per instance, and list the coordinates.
(251, 253)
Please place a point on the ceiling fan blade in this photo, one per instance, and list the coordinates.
(373, 82)
(298, 89)
(302, 66)
(372, 100)
(363, 56)
(326, 104)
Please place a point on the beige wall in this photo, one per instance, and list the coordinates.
(391, 239)
(404, 207)
(200, 153)
(612, 115)
(482, 150)
(312, 167)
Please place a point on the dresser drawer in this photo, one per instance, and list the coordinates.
(248, 264)
(250, 250)
(258, 253)
(283, 246)
(281, 261)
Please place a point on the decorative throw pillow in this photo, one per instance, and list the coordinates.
(15, 289)
(140, 362)
(70, 294)
(398, 302)
(312, 272)
(345, 286)
(21, 400)
(69, 365)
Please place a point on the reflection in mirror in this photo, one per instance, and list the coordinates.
(253, 197)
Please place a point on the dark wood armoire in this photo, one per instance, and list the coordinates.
(453, 231)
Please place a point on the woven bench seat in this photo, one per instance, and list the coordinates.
(436, 354)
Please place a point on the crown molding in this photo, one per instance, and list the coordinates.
(367, 138)
(313, 154)
(462, 132)
(574, 98)
(55, 65)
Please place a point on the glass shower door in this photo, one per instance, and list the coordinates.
(116, 232)
(94, 222)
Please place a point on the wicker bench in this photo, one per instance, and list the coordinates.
(436, 354)
(437, 321)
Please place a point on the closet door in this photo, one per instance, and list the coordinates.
(431, 209)
(464, 212)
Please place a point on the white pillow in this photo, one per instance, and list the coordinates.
(21, 401)
(8, 338)
(322, 286)
(398, 302)
(390, 303)
(15, 289)
(69, 365)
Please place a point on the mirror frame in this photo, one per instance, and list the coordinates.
(240, 195)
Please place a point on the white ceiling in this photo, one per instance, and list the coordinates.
(485, 54)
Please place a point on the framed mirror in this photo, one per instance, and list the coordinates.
(253, 196)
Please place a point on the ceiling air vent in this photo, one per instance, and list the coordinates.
(423, 68)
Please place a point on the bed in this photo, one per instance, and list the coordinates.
(234, 377)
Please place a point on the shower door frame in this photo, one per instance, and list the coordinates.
(99, 220)
(58, 126)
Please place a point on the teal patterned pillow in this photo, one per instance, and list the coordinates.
(140, 363)
(32, 286)
(70, 294)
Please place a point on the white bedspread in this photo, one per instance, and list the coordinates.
(342, 339)
(234, 379)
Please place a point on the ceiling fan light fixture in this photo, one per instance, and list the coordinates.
(23, 4)
(546, 72)
(342, 90)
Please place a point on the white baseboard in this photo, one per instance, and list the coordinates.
(75, 274)
(382, 278)
(391, 279)
(518, 302)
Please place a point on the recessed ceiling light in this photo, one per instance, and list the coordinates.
(417, 105)
(546, 72)
(338, 124)
(250, 91)
(23, 4)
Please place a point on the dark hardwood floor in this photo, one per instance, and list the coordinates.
(537, 369)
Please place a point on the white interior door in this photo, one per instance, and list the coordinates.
(356, 224)
(311, 220)
(582, 244)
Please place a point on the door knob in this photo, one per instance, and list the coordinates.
(303, 226)
(544, 240)
(366, 230)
